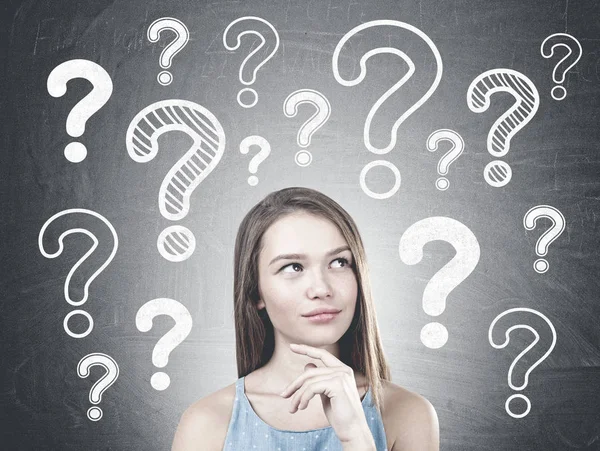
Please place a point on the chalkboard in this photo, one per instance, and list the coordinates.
(485, 156)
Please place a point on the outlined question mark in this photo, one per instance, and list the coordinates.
(250, 22)
(57, 222)
(166, 57)
(561, 40)
(315, 122)
(498, 173)
(183, 325)
(558, 226)
(458, 145)
(363, 72)
(345, 42)
(102, 88)
(435, 335)
(177, 243)
(265, 151)
(514, 315)
(102, 384)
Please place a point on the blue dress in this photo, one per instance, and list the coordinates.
(248, 432)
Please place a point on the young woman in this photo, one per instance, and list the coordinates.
(298, 254)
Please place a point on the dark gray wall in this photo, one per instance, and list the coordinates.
(554, 158)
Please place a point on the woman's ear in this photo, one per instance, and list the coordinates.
(260, 304)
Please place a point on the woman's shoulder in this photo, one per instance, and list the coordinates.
(410, 418)
(399, 393)
(203, 425)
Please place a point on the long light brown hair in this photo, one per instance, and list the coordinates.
(360, 346)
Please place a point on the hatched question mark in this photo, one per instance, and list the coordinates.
(177, 243)
(265, 151)
(183, 325)
(102, 88)
(57, 222)
(166, 57)
(559, 92)
(449, 157)
(112, 373)
(513, 314)
(498, 173)
(558, 225)
(435, 335)
(315, 122)
(249, 22)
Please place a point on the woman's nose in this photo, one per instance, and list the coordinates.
(319, 285)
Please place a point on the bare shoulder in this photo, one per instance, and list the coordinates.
(412, 419)
(203, 425)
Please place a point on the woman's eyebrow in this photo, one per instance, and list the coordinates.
(301, 256)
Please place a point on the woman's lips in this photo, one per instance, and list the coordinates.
(322, 317)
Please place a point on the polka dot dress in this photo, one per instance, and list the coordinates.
(247, 431)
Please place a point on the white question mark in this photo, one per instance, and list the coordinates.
(265, 151)
(363, 71)
(541, 247)
(559, 92)
(177, 243)
(249, 21)
(435, 335)
(449, 157)
(102, 384)
(315, 122)
(102, 88)
(166, 57)
(172, 339)
(74, 212)
(506, 126)
(507, 330)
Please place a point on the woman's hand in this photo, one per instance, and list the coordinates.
(336, 385)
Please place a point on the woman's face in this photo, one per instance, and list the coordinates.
(320, 275)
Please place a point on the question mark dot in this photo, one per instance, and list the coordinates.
(165, 78)
(160, 381)
(253, 180)
(434, 335)
(253, 96)
(303, 158)
(517, 396)
(541, 266)
(176, 243)
(94, 413)
(558, 93)
(442, 184)
(497, 173)
(75, 152)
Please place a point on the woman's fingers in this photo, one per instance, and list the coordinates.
(325, 356)
(328, 359)
(327, 385)
(297, 383)
(325, 380)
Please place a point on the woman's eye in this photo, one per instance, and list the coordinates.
(292, 265)
(342, 259)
